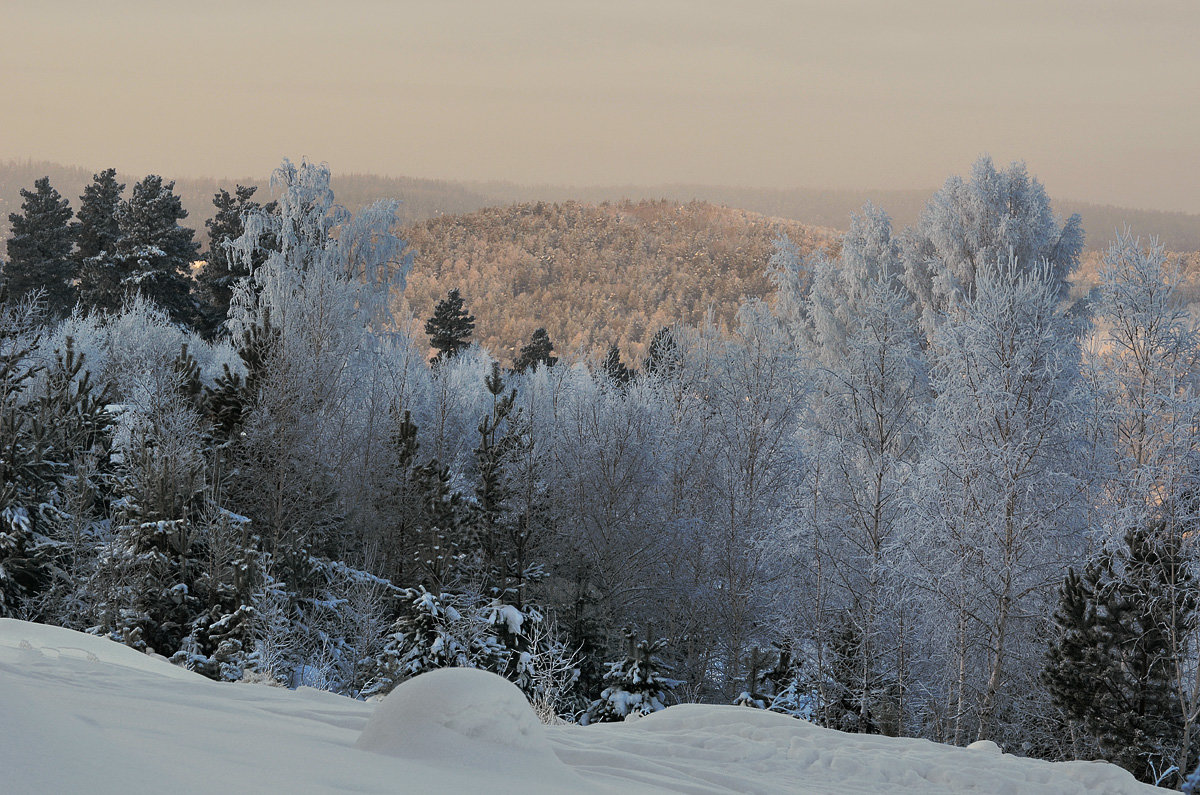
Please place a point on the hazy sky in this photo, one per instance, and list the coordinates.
(1100, 98)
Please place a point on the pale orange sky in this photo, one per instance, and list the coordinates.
(1100, 98)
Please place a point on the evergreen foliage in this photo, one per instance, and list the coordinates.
(223, 269)
(662, 354)
(97, 234)
(538, 351)
(616, 370)
(154, 254)
(450, 327)
(1113, 666)
(637, 684)
(51, 420)
(39, 249)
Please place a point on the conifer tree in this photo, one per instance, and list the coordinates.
(662, 354)
(637, 684)
(39, 249)
(155, 253)
(616, 370)
(450, 327)
(50, 418)
(223, 268)
(97, 232)
(1113, 664)
(538, 351)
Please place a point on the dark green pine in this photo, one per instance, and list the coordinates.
(539, 351)
(155, 253)
(39, 249)
(97, 232)
(450, 327)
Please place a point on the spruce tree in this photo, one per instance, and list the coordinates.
(538, 351)
(450, 327)
(155, 253)
(1112, 665)
(39, 249)
(616, 370)
(97, 232)
(637, 684)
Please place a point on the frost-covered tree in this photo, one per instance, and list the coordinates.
(325, 288)
(39, 249)
(222, 269)
(662, 354)
(862, 436)
(998, 497)
(1144, 367)
(969, 225)
(755, 391)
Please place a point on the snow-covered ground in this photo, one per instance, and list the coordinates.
(83, 714)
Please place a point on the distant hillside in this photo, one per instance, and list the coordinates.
(419, 198)
(595, 275)
(423, 198)
(832, 208)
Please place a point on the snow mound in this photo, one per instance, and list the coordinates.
(456, 708)
(42, 646)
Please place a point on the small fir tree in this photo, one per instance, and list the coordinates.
(637, 684)
(450, 327)
(39, 249)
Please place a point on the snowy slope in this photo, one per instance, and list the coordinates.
(83, 714)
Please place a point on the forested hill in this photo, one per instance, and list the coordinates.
(594, 275)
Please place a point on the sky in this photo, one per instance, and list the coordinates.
(1100, 98)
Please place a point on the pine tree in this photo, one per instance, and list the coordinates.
(155, 253)
(223, 269)
(1111, 668)
(450, 327)
(97, 233)
(538, 351)
(497, 536)
(39, 249)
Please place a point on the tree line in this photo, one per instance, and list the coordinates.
(922, 492)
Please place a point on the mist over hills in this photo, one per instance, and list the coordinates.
(422, 199)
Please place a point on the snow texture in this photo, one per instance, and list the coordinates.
(85, 714)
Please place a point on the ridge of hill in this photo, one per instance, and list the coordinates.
(426, 198)
(594, 275)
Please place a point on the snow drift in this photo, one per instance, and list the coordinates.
(84, 714)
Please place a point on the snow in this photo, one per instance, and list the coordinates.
(84, 714)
